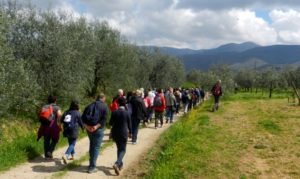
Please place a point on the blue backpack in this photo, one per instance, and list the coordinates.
(91, 114)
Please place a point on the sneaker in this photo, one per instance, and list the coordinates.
(134, 143)
(92, 170)
(116, 168)
(64, 158)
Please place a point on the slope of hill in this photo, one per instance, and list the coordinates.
(237, 55)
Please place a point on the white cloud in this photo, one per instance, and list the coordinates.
(191, 23)
(287, 25)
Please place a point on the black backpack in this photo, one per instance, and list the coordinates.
(91, 114)
(157, 101)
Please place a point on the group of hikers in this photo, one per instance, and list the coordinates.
(128, 111)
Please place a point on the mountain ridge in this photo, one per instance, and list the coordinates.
(236, 55)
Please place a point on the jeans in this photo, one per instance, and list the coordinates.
(95, 143)
(49, 145)
(71, 148)
(169, 113)
(121, 145)
(158, 116)
(135, 128)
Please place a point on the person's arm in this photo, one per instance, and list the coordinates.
(80, 121)
(129, 125)
(112, 119)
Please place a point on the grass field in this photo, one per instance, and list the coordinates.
(247, 138)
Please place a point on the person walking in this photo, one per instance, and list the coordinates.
(159, 107)
(121, 129)
(178, 97)
(139, 113)
(94, 119)
(71, 121)
(49, 129)
(217, 93)
(170, 103)
(114, 105)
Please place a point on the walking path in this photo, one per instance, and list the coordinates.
(42, 168)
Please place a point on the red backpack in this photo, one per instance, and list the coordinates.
(114, 105)
(46, 115)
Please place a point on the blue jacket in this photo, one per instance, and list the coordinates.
(71, 127)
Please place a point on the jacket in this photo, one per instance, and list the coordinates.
(139, 110)
(121, 124)
(75, 122)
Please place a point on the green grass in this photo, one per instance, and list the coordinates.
(19, 143)
(269, 126)
(248, 138)
(186, 150)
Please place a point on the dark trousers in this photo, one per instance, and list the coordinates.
(159, 116)
(135, 128)
(121, 146)
(49, 145)
(216, 105)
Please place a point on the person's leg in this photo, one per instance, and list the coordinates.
(121, 145)
(161, 118)
(95, 144)
(168, 113)
(47, 146)
(217, 102)
(171, 115)
(135, 128)
(52, 145)
(71, 148)
(156, 119)
(186, 106)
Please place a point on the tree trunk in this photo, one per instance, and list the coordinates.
(271, 90)
(296, 92)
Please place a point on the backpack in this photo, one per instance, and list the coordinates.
(157, 101)
(46, 115)
(91, 114)
(69, 121)
(217, 90)
(114, 105)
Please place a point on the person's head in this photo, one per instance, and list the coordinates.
(159, 91)
(74, 105)
(101, 97)
(219, 82)
(120, 92)
(139, 93)
(121, 101)
(171, 90)
(51, 99)
(146, 94)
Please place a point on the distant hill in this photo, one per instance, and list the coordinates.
(245, 55)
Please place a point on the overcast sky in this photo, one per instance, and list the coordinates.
(195, 24)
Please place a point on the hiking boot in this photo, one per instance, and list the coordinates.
(116, 168)
(49, 155)
(92, 170)
(65, 160)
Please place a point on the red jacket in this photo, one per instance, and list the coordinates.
(163, 106)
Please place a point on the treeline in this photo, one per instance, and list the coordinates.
(44, 53)
(264, 80)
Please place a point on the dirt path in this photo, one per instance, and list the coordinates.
(42, 168)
